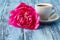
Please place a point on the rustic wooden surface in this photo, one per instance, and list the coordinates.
(45, 32)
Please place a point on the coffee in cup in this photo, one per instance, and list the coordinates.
(44, 10)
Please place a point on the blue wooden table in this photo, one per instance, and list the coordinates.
(46, 32)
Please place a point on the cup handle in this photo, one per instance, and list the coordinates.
(53, 11)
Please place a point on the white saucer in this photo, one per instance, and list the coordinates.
(53, 18)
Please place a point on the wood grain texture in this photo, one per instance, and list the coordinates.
(8, 32)
(49, 31)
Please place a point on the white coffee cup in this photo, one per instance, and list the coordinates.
(44, 10)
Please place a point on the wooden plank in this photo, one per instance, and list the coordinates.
(47, 31)
(9, 32)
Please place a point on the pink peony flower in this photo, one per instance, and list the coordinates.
(24, 16)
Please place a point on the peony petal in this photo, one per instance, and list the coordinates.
(24, 16)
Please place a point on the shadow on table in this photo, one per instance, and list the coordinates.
(42, 25)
